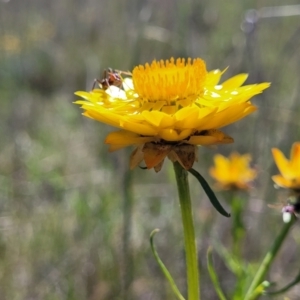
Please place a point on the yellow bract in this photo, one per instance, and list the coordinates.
(233, 172)
(172, 102)
(289, 169)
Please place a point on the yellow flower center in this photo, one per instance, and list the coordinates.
(170, 81)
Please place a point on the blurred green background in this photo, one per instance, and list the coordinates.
(74, 222)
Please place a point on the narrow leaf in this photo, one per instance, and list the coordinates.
(210, 194)
(286, 288)
(229, 260)
(213, 275)
(259, 290)
(163, 267)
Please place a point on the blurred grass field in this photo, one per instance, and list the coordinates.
(74, 222)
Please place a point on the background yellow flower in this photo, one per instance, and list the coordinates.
(233, 172)
(289, 169)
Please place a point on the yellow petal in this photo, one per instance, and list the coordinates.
(158, 119)
(221, 171)
(235, 81)
(139, 128)
(213, 139)
(281, 181)
(193, 117)
(230, 115)
(295, 159)
(122, 138)
(213, 77)
(237, 113)
(107, 118)
(205, 116)
(96, 95)
(281, 162)
(173, 135)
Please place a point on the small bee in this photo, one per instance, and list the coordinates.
(111, 77)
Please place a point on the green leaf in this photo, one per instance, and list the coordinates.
(213, 275)
(286, 288)
(210, 194)
(163, 267)
(259, 290)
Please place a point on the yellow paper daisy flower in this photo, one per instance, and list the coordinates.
(289, 169)
(233, 172)
(169, 107)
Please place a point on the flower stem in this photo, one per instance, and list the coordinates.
(238, 229)
(189, 232)
(267, 261)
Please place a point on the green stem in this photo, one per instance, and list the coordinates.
(238, 229)
(189, 232)
(267, 261)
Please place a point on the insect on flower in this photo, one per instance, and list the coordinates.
(289, 208)
(175, 103)
(111, 77)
